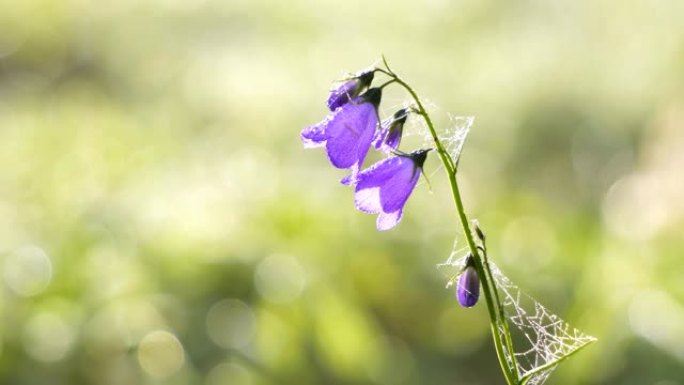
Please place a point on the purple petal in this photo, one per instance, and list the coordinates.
(386, 221)
(349, 134)
(351, 179)
(347, 91)
(370, 180)
(385, 187)
(380, 136)
(368, 200)
(394, 137)
(397, 189)
(468, 288)
(342, 94)
(390, 134)
(377, 174)
(314, 136)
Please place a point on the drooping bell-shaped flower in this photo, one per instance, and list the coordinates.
(389, 136)
(349, 90)
(347, 132)
(385, 187)
(468, 288)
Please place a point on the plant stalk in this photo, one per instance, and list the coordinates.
(496, 316)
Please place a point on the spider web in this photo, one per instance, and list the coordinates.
(453, 137)
(417, 135)
(541, 339)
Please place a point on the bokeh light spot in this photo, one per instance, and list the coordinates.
(48, 338)
(229, 373)
(27, 270)
(121, 325)
(280, 278)
(633, 209)
(230, 324)
(160, 354)
(659, 318)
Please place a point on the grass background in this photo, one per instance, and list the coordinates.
(161, 223)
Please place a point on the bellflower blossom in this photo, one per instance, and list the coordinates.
(385, 187)
(468, 288)
(347, 132)
(389, 136)
(349, 90)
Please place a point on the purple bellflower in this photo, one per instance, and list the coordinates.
(349, 90)
(347, 132)
(389, 136)
(468, 288)
(385, 187)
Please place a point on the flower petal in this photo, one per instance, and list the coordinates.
(349, 134)
(394, 137)
(314, 136)
(384, 188)
(341, 95)
(468, 288)
(380, 135)
(386, 221)
(351, 179)
(378, 174)
(397, 189)
(347, 91)
(390, 134)
(369, 182)
(368, 200)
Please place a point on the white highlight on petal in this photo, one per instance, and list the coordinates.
(388, 220)
(368, 200)
(308, 143)
(308, 134)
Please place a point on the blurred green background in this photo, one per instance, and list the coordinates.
(160, 221)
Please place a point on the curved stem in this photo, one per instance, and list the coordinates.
(509, 369)
(502, 316)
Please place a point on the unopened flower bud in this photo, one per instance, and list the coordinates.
(468, 288)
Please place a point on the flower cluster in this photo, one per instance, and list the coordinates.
(348, 132)
(352, 127)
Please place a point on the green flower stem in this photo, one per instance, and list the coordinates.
(502, 316)
(494, 307)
